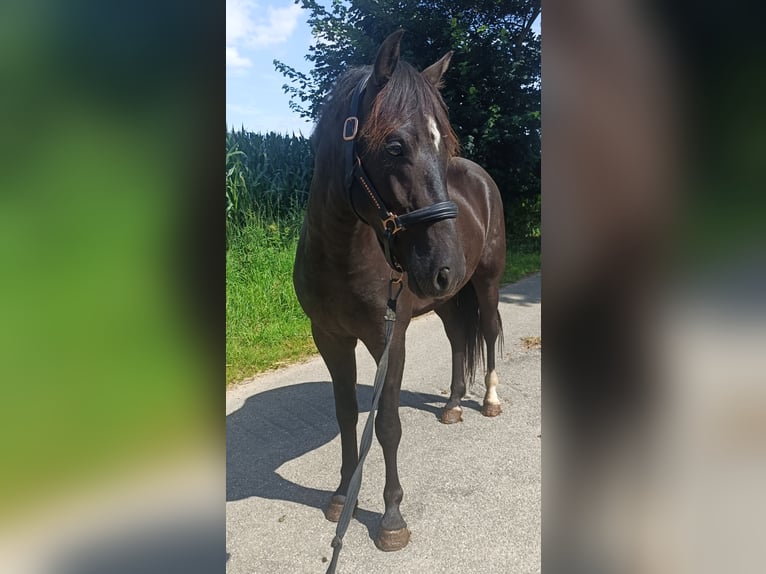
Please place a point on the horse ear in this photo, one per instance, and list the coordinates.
(433, 73)
(387, 59)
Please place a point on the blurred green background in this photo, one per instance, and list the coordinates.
(103, 362)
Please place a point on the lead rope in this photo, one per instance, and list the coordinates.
(366, 442)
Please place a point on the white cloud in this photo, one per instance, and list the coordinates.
(278, 28)
(238, 21)
(246, 30)
(234, 60)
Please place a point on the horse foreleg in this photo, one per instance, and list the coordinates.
(393, 533)
(338, 355)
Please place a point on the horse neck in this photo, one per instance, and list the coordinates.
(331, 225)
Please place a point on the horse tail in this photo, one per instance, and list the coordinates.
(500, 338)
(468, 308)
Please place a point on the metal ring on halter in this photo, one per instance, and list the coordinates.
(391, 283)
(349, 135)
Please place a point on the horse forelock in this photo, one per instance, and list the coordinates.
(407, 95)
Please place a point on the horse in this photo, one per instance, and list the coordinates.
(392, 203)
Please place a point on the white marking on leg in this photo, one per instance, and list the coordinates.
(434, 129)
(491, 381)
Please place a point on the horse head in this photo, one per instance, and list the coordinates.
(405, 144)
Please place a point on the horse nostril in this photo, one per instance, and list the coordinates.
(442, 279)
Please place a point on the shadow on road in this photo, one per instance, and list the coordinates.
(279, 425)
(524, 293)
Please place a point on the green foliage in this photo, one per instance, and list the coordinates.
(492, 87)
(522, 224)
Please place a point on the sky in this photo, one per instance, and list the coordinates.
(257, 33)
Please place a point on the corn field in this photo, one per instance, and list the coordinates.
(266, 175)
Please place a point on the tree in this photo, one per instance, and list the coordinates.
(492, 87)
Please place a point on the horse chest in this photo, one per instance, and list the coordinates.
(337, 297)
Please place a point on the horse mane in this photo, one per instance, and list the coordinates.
(334, 108)
(406, 95)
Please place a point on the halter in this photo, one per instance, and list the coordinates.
(392, 222)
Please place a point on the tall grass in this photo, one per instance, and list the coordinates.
(520, 262)
(265, 325)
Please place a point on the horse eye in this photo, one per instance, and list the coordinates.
(394, 148)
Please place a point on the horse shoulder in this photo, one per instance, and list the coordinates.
(474, 190)
(466, 176)
(481, 219)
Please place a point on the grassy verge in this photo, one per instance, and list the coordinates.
(265, 325)
(519, 264)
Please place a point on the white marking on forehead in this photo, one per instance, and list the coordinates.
(434, 131)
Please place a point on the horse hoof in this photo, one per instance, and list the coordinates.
(392, 540)
(335, 508)
(451, 416)
(491, 409)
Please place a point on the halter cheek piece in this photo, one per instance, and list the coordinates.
(391, 222)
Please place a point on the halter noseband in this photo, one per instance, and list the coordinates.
(392, 223)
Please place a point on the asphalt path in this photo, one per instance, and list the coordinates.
(472, 490)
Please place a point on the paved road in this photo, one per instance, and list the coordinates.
(471, 490)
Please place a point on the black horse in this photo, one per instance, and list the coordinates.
(389, 199)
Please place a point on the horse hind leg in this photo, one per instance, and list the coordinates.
(491, 405)
(450, 316)
(462, 322)
(491, 328)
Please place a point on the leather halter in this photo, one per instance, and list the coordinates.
(391, 222)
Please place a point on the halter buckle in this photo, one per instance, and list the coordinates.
(395, 228)
(350, 128)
